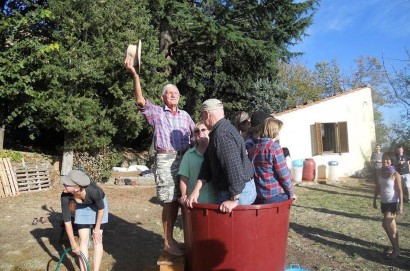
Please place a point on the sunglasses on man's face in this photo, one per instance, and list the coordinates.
(197, 131)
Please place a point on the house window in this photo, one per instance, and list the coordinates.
(331, 137)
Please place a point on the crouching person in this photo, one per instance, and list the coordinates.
(91, 213)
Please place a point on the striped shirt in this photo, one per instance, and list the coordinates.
(171, 132)
(271, 172)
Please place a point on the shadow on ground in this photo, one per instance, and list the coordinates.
(131, 246)
(352, 246)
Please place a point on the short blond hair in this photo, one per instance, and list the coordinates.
(271, 127)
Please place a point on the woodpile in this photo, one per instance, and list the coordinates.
(33, 178)
(8, 180)
(22, 178)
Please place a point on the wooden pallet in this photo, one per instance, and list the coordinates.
(33, 179)
(8, 181)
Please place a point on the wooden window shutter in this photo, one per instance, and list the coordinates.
(319, 142)
(343, 137)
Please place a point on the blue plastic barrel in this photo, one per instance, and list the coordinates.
(333, 163)
(297, 163)
(295, 267)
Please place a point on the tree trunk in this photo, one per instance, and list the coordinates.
(2, 130)
(67, 163)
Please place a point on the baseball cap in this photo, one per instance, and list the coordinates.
(211, 104)
(259, 117)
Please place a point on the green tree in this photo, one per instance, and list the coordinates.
(328, 77)
(64, 68)
(269, 96)
(88, 95)
(222, 48)
(302, 84)
(24, 41)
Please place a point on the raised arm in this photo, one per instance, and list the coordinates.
(139, 98)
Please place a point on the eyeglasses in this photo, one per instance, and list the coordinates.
(197, 131)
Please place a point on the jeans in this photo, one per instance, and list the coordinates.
(274, 199)
(247, 197)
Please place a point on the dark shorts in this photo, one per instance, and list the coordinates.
(390, 207)
(88, 226)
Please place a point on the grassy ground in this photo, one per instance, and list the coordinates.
(332, 227)
(335, 227)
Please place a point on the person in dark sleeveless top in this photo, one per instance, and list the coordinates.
(90, 205)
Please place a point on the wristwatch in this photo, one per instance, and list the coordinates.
(235, 197)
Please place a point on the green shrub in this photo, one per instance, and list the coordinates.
(14, 156)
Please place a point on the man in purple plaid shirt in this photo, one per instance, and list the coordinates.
(172, 134)
(272, 175)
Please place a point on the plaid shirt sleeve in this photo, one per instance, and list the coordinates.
(271, 171)
(150, 111)
(282, 170)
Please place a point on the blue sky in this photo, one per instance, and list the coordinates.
(346, 29)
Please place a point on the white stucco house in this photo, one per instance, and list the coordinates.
(340, 128)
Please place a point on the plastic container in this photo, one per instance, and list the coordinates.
(297, 169)
(309, 170)
(252, 237)
(295, 267)
(333, 171)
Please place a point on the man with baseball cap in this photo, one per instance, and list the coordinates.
(226, 163)
(172, 134)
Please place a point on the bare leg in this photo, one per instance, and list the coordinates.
(389, 225)
(98, 253)
(84, 235)
(169, 217)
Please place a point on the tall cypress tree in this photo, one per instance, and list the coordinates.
(222, 48)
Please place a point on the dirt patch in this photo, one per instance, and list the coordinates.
(132, 240)
(324, 234)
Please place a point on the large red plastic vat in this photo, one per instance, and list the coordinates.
(252, 237)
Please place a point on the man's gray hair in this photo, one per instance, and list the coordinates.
(164, 89)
